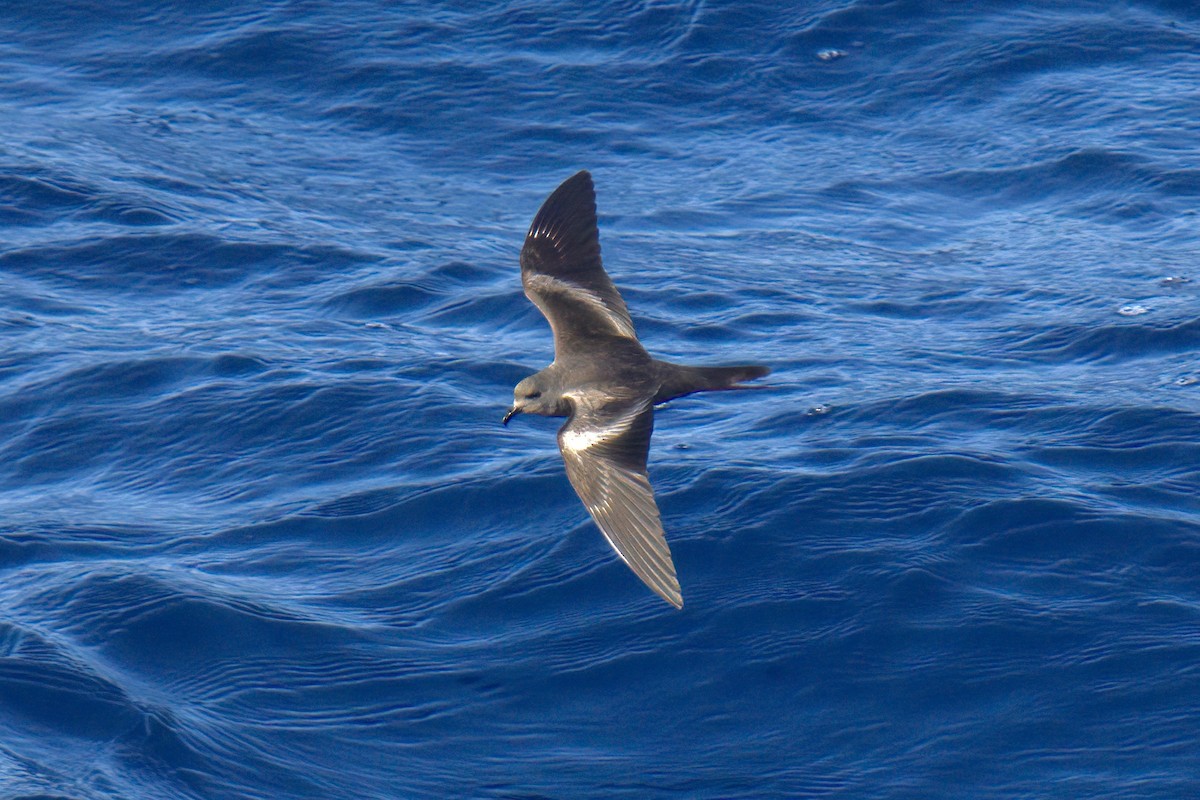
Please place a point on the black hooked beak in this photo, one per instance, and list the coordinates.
(512, 412)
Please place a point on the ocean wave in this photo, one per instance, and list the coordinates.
(262, 533)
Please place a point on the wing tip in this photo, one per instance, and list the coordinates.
(665, 586)
(663, 582)
(571, 205)
(582, 175)
(674, 597)
(580, 180)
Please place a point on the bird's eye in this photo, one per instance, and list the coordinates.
(533, 395)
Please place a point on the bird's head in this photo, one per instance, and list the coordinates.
(532, 396)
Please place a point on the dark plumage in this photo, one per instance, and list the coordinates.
(604, 381)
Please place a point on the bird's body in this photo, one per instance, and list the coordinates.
(604, 381)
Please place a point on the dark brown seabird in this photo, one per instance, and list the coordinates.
(604, 381)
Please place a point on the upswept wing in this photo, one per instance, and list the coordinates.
(605, 449)
(561, 269)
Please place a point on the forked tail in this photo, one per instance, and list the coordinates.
(679, 379)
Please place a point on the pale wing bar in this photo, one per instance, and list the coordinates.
(605, 458)
(561, 268)
(540, 288)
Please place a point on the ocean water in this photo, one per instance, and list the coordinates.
(263, 536)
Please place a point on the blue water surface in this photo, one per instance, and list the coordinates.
(263, 536)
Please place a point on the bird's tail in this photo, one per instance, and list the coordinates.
(676, 380)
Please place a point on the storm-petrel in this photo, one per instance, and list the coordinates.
(604, 381)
